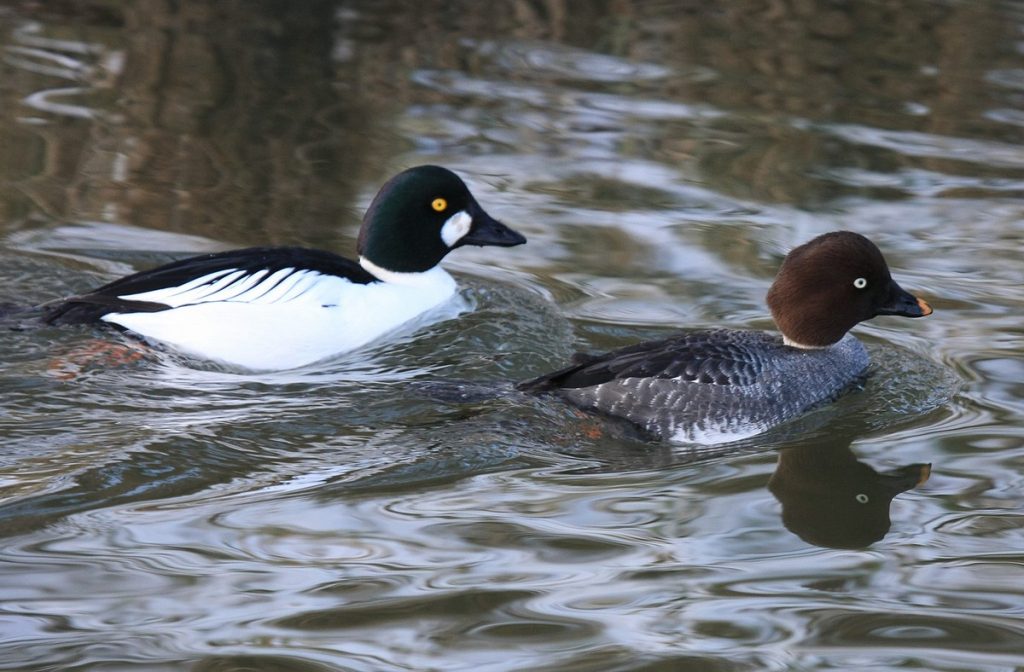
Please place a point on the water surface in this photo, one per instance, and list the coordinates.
(661, 158)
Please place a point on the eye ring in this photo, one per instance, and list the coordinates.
(439, 204)
(862, 498)
(860, 283)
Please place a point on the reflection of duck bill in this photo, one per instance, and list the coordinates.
(905, 478)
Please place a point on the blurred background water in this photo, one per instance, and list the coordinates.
(661, 157)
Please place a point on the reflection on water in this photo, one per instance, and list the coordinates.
(661, 157)
(829, 498)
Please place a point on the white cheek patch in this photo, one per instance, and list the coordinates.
(455, 228)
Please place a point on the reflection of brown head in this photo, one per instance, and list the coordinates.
(830, 499)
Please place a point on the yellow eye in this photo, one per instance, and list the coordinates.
(439, 204)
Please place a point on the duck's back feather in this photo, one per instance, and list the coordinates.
(720, 357)
(709, 386)
(251, 274)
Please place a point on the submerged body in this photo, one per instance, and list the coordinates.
(278, 308)
(723, 385)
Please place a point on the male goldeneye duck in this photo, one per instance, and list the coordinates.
(270, 308)
(720, 385)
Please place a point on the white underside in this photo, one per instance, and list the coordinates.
(711, 435)
(305, 318)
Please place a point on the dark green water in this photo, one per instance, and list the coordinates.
(661, 158)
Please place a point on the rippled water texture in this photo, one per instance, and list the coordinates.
(662, 158)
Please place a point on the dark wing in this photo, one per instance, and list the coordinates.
(218, 271)
(718, 357)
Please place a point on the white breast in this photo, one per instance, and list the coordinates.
(281, 320)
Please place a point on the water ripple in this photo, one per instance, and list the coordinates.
(359, 515)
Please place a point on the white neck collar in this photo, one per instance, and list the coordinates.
(427, 277)
(793, 344)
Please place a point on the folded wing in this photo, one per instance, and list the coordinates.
(254, 275)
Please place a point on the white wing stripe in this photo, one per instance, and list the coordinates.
(246, 284)
(211, 291)
(156, 294)
(260, 286)
(262, 292)
(174, 296)
(306, 280)
(235, 289)
(279, 284)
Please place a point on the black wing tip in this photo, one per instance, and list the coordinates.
(89, 308)
(65, 311)
(584, 370)
(536, 385)
(554, 380)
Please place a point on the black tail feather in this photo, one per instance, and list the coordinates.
(90, 308)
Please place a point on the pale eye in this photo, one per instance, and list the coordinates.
(862, 498)
(860, 283)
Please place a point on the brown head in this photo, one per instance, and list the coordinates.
(831, 283)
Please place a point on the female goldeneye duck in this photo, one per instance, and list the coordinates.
(721, 385)
(271, 308)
